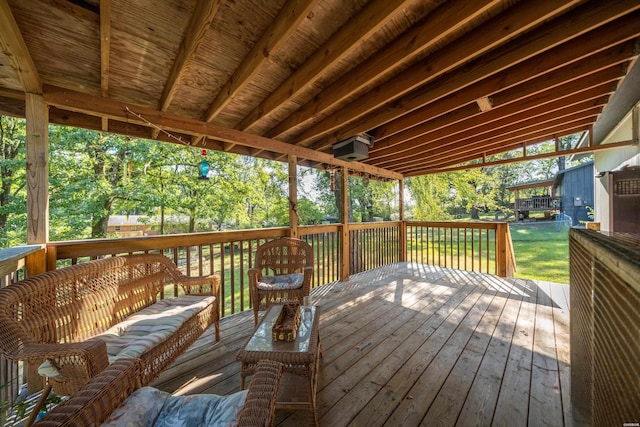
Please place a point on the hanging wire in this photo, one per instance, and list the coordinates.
(169, 134)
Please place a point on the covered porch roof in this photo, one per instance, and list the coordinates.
(435, 84)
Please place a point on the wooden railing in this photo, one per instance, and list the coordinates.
(230, 254)
(373, 245)
(539, 203)
(605, 327)
(325, 241)
(475, 246)
(16, 264)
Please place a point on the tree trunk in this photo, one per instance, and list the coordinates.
(99, 225)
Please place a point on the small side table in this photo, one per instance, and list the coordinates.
(300, 357)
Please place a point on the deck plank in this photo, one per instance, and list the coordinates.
(411, 344)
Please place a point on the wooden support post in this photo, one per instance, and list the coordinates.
(37, 118)
(635, 125)
(36, 263)
(501, 249)
(515, 205)
(403, 223)
(344, 238)
(293, 197)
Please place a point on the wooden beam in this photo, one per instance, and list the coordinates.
(348, 38)
(517, 123)
(449, 18)
(199, 23)
(531, 106)
(16, 51)
(293, 197)
(502, 139)
(517, 20)
(496, 146)
(286, 22)
(535, 42)
(521, 112)
(105, 46)
(37, 121)
(11, 94)
(568, 63)
(84, 103)
(601, 147)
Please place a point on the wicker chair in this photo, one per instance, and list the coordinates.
(279, 267)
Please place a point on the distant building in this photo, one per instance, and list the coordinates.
(575, 188)
(143, 225)
(569, 193)
(128, 226)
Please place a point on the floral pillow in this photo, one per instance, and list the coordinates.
(284, 282)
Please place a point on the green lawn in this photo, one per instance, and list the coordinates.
(542, 251)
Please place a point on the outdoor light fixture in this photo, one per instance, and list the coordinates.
(203, 166)
(354, 148)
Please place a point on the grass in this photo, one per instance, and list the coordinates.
(542, 251)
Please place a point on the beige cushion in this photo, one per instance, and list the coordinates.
(145, 329)
(284, 282)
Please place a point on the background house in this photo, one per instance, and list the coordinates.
(574, 186)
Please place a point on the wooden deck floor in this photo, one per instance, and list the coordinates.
(411, 344)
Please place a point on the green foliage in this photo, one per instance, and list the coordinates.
(13, 197)
(542, 252)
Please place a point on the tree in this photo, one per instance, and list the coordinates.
(12, 189)
(89, 173)
(430, 194)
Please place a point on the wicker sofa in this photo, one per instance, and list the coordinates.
(111, 397)
(73, 322)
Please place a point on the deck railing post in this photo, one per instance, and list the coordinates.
(501, 249)
(346, 252)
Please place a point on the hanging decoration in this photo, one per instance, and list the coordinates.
(204, 165)
(332, 179)
(128, 166)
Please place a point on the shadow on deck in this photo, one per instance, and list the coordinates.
(410, 344)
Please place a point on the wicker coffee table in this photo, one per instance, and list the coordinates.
(300, 358)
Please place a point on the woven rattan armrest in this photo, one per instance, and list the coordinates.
(260, 405)
(94, 402)
(204, 285)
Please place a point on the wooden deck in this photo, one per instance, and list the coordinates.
(411, 344)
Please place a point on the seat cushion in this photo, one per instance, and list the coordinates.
(145, 329)
(148, 406)
(283, 282)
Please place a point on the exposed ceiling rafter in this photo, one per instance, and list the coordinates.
(15, 48)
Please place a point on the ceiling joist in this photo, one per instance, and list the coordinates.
(482, 164)
(200, 21)
(483, 39)
(348, 38)
(288, 19)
